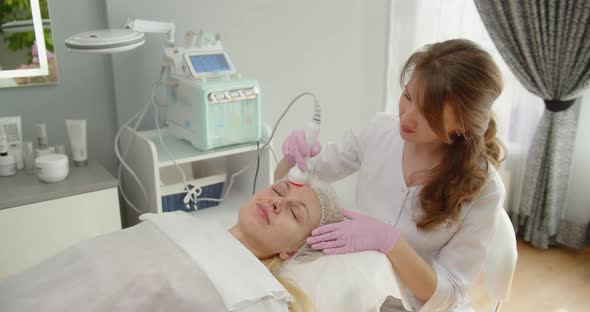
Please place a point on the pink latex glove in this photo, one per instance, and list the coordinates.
(359, 233)
(295, 149)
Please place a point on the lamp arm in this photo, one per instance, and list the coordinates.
(153, 27)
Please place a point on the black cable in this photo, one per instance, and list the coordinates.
(257, 166)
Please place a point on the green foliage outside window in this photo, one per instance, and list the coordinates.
(17, 10)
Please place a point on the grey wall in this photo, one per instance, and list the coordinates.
(85, 89)
(334, 48)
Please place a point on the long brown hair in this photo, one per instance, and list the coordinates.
(460, 74)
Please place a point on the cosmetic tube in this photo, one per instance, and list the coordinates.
(29, 157)
(12, 129)
(77, 135)
(7, 162)
(3, 143)
(41, 136)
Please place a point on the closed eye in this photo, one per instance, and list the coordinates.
(291, 205)
(407, 96)
(294, 215)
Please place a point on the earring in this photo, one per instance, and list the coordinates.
(459, 132)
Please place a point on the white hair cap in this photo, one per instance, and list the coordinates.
(331, 213)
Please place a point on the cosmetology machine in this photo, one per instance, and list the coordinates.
(210, 104)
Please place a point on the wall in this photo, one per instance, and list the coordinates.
(336, 49)
(84, 90)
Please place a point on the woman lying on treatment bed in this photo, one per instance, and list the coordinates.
(174, 262)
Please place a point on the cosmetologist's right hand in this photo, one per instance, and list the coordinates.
(296, 151)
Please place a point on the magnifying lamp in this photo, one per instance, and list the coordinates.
(119, 40)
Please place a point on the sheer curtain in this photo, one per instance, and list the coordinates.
(416, 23)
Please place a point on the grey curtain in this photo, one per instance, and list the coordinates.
(546, 44)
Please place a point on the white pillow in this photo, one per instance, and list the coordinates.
(354, 282)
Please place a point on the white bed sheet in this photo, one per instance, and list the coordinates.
(144, 268)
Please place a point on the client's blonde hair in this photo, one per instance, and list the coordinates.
(301, 302)
(330, 214)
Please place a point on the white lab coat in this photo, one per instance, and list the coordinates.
(170, 262)
(456, 250)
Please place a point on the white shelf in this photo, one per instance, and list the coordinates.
(226, 214)
(147, 158)
(184, 152)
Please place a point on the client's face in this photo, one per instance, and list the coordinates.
(277, 219)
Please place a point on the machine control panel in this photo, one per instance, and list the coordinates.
(232, 95)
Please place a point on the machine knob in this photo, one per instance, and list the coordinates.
(234, 94)
(220, 96)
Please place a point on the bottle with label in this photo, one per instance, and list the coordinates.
(7, 162)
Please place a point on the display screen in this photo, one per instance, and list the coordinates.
(209, 63)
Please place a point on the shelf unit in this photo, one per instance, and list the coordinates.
(39, 220)
(149, 160)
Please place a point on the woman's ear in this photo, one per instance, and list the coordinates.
(287, 255)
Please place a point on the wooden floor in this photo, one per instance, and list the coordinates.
(554, 280)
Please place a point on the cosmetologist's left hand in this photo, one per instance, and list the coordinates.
(358, 233)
